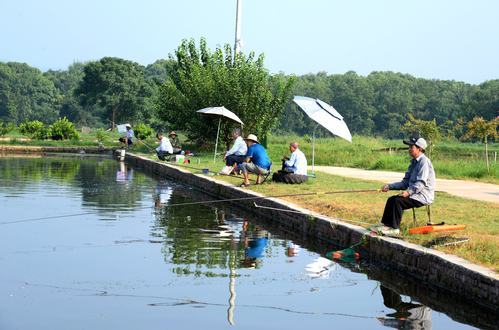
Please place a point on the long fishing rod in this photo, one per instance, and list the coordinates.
(150, 149)
(212, 201)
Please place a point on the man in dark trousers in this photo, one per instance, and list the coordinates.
(418, 185)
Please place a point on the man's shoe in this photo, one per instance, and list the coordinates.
(390, 232)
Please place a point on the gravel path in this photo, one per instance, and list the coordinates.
(467, 189)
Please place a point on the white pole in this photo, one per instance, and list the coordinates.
(216, 143)
(238, 42)
(313, 150)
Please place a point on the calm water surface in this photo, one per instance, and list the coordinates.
(89, 243)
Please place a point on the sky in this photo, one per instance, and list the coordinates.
(435, 39)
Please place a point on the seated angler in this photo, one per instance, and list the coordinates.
(257, 161)
(294, 168)
(175, 142)
(127, 139)
(418, 185)
(237, 154)
(165, 148)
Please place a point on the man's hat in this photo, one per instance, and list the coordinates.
(417, 141)
(172, 133)
(128, 125)
(252, 137)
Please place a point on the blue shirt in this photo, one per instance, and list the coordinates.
(259, 156)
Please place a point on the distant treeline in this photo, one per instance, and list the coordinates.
(375, 105)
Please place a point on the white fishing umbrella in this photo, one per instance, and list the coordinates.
(221, 112)
(326, 116)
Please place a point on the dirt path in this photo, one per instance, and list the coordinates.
(467, 189)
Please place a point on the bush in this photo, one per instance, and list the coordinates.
(143, 131)
(34, 129)
(63, 129)
(100, 135)
(6, 128)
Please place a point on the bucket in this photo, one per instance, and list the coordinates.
(206, 170)
(179, 159)
(120, 154)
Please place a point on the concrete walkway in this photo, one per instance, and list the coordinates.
(467, 189)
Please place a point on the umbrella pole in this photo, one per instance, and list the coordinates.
(313, 150)
(216, 143)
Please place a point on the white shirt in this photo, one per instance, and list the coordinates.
(239, 148)
(297, 162)
(129, 134)
(165, 145)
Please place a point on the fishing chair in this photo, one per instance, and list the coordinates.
(265, 177)
(428, 212)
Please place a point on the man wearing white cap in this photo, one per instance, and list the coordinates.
(418, 185)
(257, 161)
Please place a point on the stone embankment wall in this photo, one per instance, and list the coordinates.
(445, 271)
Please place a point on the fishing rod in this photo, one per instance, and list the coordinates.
(150, 149)
(212, 201)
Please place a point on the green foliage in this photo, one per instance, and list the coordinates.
(100, 135)
(482, 129)
(118, 86)
(143, 131)
(25, 94)
(63, 129)
(379, 103)
(34, 129)
(201, 78)
(428, 129)
(6, 128)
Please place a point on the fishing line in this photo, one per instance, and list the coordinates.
(199, 202)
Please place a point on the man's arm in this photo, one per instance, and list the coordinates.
(291, 162)
(401, 185)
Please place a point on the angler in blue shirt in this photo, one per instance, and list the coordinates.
(257, 161)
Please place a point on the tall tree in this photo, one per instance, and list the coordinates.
(201, 78)
(118, 86)
(25, 94)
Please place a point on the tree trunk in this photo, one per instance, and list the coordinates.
(113, 118)
(487, 155)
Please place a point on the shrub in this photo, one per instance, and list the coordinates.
(143, 131)
(34, 129)
(6, 128)
(63, 129)
(100, 135)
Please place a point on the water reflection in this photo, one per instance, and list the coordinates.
(407, 315)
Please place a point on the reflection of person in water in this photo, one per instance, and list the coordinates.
(292, 249)
(255, 242)
(124, 175)
(162, 194)
(407, 315)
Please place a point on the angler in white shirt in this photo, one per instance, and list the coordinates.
(297, 163)
(236, 154)
(165, 147)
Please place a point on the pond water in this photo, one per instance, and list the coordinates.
(90, 243)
